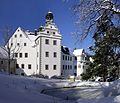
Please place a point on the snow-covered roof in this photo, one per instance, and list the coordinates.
(3, 53)
(66, 50)
(78, 52)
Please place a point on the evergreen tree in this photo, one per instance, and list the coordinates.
(106, 50)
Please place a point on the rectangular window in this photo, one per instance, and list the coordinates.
(70, 58)
(22, 66)
(29, 66)
(70, 66)
(37, 66)
(75, 58)
(66, 67)
(46, 41)
(75, 67)
(46, 67)
(63, 57)
(63, 67)
(17, 65)
(54, 42)
(25, 44)
(26, 55)
(1, 62)
(16, 55)
(46, 54)
(54, 67)
(20, 55)
(55, 54)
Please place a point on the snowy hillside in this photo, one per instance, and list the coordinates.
(16, 89)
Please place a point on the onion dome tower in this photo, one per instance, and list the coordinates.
(49, 17)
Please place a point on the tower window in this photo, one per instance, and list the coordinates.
(54, 42)
(29, 66)
(46, 67)
(46, 54)
(53, 32)
(46, 41)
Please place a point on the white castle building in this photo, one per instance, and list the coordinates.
(41, 52)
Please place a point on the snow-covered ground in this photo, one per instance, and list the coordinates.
(17, 89)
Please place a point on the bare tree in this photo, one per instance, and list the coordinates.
(88, 12)
(8, 46)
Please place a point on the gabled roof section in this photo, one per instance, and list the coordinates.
(19, 29)
(78, 52)
(65, 50)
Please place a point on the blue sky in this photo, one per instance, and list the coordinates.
(30, 14)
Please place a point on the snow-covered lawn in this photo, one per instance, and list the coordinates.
(17, 89)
